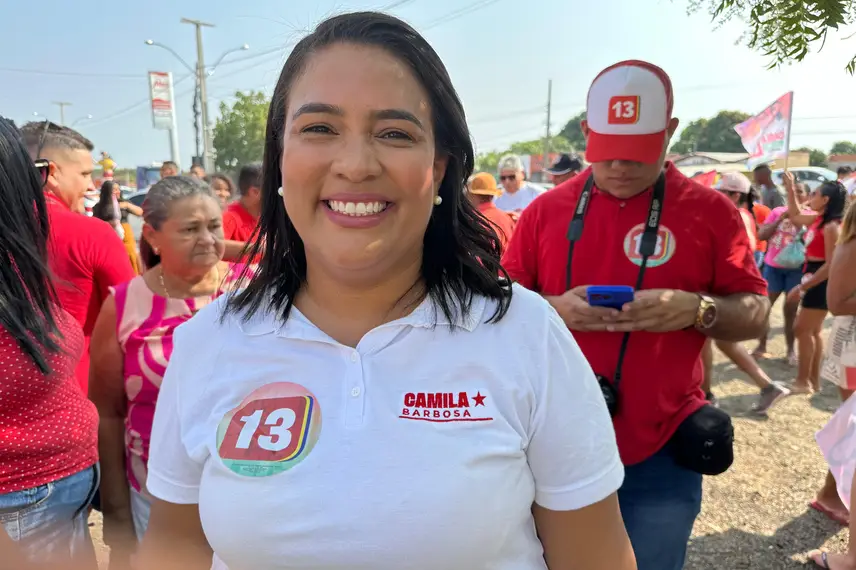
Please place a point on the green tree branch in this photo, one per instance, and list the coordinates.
(783, 30)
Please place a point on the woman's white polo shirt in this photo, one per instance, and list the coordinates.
(423, 448)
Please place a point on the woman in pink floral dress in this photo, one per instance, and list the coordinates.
(182, 247)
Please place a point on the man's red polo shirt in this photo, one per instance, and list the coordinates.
(86, 257)
(238, 223)
(702, 247)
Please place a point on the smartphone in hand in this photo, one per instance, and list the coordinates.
(610, 296)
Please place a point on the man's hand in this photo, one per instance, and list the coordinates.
(578, 315)
(657, 310)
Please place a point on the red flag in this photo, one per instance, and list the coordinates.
(706, 178)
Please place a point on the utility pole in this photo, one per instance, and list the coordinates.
(196, 122)
(547, 139)
(62, 106)
(203, 92)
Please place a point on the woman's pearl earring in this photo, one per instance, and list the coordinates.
(279, 191)
(438, 200)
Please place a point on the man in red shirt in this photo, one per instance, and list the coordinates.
(481, 191)
(241, 216)
(635, 221)
(85, 254)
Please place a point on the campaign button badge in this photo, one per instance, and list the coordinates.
(270, 431)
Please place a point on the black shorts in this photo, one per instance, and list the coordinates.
(814, 298)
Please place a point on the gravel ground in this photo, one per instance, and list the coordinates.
(756, 515)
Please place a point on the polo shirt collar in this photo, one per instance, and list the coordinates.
(426, 315)
(53, 199)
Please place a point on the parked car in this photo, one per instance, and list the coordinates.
(812, 176)
(137, 198)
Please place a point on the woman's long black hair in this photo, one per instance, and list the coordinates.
(103, 209)
(837, 194)
(461, 251)
(27, 297)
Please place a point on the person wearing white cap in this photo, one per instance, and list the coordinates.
(738, 189)
(518, 194)
(681, 270)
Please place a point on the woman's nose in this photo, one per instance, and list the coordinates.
(357, 159)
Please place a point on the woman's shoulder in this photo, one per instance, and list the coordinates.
(212, 318)
(71, 332)
(832, 226)
(527, 310)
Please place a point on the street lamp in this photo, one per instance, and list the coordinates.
(244, 47)
(81, 119)
(173, 52)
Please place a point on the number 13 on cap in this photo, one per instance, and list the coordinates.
(623, 110)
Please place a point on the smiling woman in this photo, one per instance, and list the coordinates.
(379, 396)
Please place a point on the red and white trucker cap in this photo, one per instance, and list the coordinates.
(628, 111)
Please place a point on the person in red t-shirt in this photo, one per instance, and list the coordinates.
(84, 253)
(241, 216)
(48, 428)
(481, 191)
(700, 282)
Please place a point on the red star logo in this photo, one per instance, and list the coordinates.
(479, 399)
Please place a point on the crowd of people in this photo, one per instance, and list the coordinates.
(363, 355)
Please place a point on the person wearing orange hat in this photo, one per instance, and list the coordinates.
(481, 191)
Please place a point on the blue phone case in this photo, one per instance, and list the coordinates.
(611, 296)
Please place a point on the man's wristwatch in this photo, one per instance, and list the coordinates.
(706, 314)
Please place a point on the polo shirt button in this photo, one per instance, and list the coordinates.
(355, 392)
(353, 357)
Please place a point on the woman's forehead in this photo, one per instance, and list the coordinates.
(358, 80)
(193, 206)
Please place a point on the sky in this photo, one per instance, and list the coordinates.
(500, 55)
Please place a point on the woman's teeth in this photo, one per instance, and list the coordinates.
(357, 208)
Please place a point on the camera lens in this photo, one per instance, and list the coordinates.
(610, 395)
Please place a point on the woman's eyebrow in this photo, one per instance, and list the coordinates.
(383, 114)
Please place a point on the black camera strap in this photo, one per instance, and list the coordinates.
(647, 246)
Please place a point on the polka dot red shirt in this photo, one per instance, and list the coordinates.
(48, 428)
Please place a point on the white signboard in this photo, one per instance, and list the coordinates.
(163, 99)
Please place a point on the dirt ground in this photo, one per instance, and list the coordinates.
(756, 515)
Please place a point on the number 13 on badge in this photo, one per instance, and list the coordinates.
(623, 110)
(270, 431)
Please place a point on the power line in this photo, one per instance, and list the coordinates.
(132, 107)
(455, 14)
(507, 115)
(72, 73)
(398, 4)
(279, 49)
(263, 53)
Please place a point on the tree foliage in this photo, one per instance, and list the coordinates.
(783, 30)
(573, 133)
(488, 161)
(239, 134)
(815, 157)
(716, 134)
(843, 147)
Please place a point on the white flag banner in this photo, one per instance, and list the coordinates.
(766, 136)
